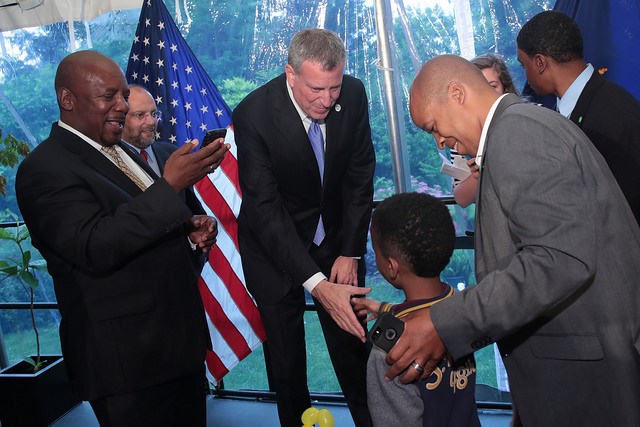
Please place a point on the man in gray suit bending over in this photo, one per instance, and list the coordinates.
(557, 258)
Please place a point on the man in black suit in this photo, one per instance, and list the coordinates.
(550, 49)
(304, 217)
(123, 249)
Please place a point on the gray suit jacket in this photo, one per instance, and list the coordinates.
(557, 260)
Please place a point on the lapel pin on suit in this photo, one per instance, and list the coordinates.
(338, 107)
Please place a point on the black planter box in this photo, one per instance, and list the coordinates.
(38, 399)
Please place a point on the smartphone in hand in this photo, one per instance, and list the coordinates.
(386, 331)
(212, 135)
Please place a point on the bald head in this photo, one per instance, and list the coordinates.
(433, 80)
(450, 98)
(80, 64)
(92, 95)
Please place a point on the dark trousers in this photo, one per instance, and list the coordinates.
(286, 349)
(181, 402)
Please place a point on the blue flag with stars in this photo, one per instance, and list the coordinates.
(164, 64)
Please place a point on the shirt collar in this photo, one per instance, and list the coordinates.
(567, 103)
(133, 147)
(485, 129)
(82, 136)
(303, 116)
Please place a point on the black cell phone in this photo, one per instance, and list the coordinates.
(386, 331)
(212, 135)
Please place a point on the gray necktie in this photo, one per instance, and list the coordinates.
(317, 143)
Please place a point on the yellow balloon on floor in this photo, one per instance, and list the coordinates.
(325, 419)
(309, 416)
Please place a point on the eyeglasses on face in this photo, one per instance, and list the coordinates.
(142, 115)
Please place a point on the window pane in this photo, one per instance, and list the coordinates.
(20, 338)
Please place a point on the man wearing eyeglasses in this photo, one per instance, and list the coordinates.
(140, 127)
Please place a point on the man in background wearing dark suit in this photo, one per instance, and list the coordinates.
(305, 214)
(550, 49)
(123, 249)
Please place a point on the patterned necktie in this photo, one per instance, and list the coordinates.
(317, 143)
(113, 153)
(145, 155)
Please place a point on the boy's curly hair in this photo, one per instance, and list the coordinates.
(416, 228)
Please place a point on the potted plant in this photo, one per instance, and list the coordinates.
(36, 391)
(22, 269)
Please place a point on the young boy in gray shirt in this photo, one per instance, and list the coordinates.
(413, 238)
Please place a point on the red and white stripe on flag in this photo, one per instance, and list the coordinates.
(234, 321)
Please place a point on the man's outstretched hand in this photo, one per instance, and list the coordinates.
(336, 299)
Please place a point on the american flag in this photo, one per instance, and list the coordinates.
(161, 61)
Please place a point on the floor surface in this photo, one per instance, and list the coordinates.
(238, 412)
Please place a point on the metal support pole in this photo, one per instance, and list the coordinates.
(388, 65)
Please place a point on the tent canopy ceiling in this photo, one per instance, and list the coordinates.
(14, 13)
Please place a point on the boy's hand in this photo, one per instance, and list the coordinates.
(366, 307)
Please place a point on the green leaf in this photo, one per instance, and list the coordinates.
(29, 278)
(10, 271)
(26, 257)
(31, 362)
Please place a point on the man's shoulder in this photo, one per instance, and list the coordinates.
(56, 154)
(165, 146)
(350, 83)
(607, 109)
(57, 140)
(608, 93)
(518, 109)
(264, 94)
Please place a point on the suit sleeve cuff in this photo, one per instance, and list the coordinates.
(313, 281)
(193, 245)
